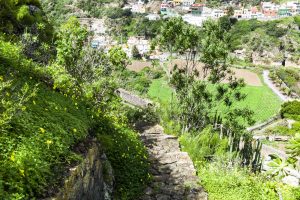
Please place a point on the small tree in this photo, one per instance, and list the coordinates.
(203, 98)
(71, 38)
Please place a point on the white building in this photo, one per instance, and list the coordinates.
(153, 17)
(187, 3)
(268, 6)
(207, 12)
(194, 20)
(142, 45)
(217, 13)
(97, 26)
(138, 8)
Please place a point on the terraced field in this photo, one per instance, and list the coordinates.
(260, 99)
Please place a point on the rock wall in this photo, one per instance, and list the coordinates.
(91, 180)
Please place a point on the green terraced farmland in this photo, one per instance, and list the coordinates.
(260, 99)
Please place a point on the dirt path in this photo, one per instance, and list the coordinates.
(174, 175)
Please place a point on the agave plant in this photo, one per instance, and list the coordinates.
(294, 146)
(278, 166)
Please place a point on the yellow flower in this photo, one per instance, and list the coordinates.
(48, 142)
(12, 157)
(74, 130)
(22, 172)
(42, 130)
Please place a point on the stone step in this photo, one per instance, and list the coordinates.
(173, 157)
(172, 170)
(157, 137)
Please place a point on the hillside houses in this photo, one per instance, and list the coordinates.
(264, 11)
(141, 44)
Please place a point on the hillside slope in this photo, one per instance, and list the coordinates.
(37, 138)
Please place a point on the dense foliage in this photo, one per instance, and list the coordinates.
(209, 114)
(46, 110)
(290, 109)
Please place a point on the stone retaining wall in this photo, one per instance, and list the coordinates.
(92, 179)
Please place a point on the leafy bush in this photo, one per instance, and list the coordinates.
(297, 20)
(115, 13)
(203, 145)
(272, 29)
(283, 130)
(290, 109)
(142, 116)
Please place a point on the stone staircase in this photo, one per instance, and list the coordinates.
(174, 175)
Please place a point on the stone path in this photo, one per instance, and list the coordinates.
(174, 175)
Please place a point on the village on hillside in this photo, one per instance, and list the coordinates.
(191, 12)
(196, 13)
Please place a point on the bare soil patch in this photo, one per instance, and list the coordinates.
(250, 78)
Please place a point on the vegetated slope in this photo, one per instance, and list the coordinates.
(269, 41)
(262, 101)
(36, 141)
(289, 77)
(40, 126)
(60, 10)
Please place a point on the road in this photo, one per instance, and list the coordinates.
(273, 87)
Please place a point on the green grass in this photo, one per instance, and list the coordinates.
(160, 90)
(260, 99)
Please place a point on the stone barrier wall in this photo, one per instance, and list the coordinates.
(92, 179)
(264, 124)
(133, 99)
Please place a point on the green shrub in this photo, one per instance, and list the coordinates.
(290, 109)
(143, 116)
(36, 142)
(203, 145)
